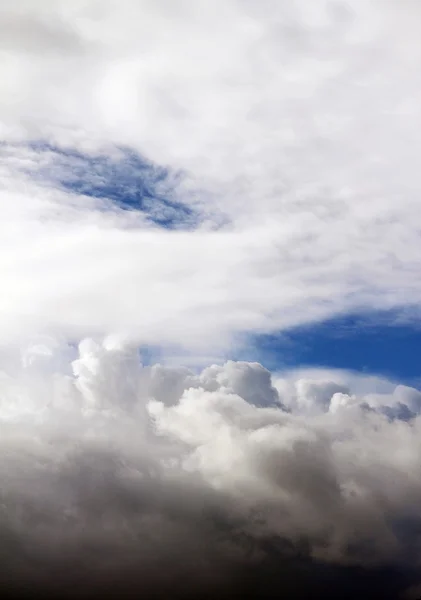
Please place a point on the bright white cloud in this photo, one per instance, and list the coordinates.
(296, 121)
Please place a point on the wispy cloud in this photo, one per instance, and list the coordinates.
(295, 130)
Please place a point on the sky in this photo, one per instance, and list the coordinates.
(367, 343)
(210, 307)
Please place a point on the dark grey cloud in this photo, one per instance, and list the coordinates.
(122, 480)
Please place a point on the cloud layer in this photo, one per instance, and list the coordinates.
(295, 128)
(129, 478)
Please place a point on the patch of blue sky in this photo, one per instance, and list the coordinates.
(124, 178)
(379, 343)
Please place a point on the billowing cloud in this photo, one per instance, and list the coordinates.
(127, 478)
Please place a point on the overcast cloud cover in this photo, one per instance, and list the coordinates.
(182, 175)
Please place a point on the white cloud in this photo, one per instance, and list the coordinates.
(297, 121)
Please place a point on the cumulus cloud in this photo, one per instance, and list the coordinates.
(118, 478)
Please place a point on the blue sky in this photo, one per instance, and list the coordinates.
(374, 343)
(126, 179)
